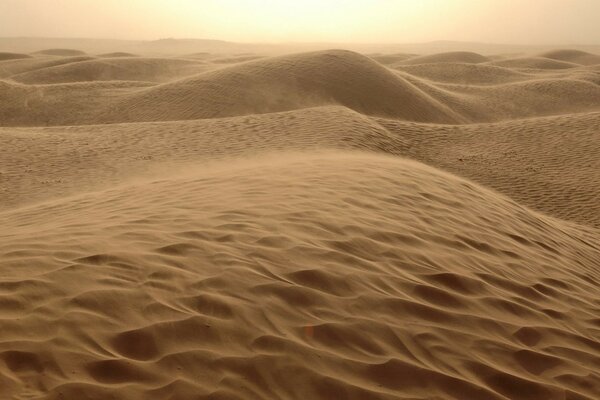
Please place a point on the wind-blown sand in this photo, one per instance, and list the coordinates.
(322, 225)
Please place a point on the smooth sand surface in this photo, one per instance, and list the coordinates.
(319, 225)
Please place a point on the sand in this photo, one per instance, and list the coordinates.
(318, 225)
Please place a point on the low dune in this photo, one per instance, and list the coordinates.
(450, 57)
(61, 52)
(320, 225)
(109, 69)
(34, 105)
(11, 68)
(519, 158)
(235, 59)
(391, 59)
(573, 56)
(525, 99)
(12, 56)
(534, 63)
(117, 54)
(61, 161)
(493, 154)
(463, 73)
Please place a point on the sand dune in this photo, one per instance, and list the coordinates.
(321, 225)
(117, 54)
(549, 163)
(368, 271)
(61, 52)
(285, 83)
(390, 59)
(12, 56)
(31, 105)
(107, 69)
(452, 57)
(433, 93)
(463, 73)
(13, 67)
(565, 187)
(528, 99)
(534, 63)
(60, 161)
(573, 56)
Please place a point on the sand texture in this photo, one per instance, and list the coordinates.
(317, 225)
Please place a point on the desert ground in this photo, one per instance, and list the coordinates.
(316, 224)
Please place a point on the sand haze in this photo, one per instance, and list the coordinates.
(302, 200)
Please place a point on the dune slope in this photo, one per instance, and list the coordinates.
(449, 57)
(107, 69)
(336, 275)
(284, 83)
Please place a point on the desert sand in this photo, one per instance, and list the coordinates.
(324, 224)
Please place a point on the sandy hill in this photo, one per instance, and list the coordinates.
(452, 57)
(534, 63)
(13, 67)
(61, 52)
(320, 225)
(464, 73)
(31, 105)
(390, 59)
(117, 54)
(12, 56)
(357, 274)
(107, 69)
(493, 154)
(59, 161)
(434, 93)
(284, 83)
(560, 176)
(574, 56)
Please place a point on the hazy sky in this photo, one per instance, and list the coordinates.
(500, 21)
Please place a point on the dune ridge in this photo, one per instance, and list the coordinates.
(121, 68)
(12, 56)
(472, 93)
(283, 83)
(61, 52)
(320, 225)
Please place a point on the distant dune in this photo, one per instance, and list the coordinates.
(574, 56)
(106, 69)
(218, 222)
(285, 83)
(534, 63)
(13, 67)
(463, 73)
(117, 54)
(61, 52)
(454, 57)
(12, 56)
(390, 59)
(433, 93)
